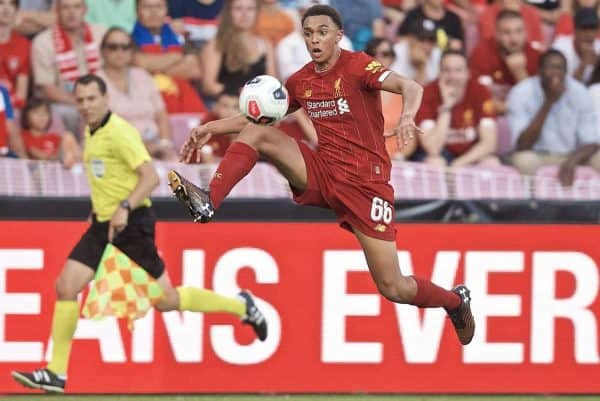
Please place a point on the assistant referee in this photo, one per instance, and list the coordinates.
(121, 177)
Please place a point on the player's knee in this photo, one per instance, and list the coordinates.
(256, 136)
(65, 291)
(394, 291)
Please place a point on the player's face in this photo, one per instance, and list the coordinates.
(152, 13)
(71, 13)
(454, 71)
(91, 103)
(511, 35)
(243, 14)
(321, 36)
(8, 11)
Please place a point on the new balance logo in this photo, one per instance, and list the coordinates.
(342, 105)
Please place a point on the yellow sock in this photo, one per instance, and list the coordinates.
(64, 322)
(201, 300)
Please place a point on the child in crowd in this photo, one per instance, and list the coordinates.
(40, 142)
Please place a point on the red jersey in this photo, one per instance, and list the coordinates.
(344, 105)
(486, 61)
(475, 106)
(47, 143)
(218, 143)
(14, 60)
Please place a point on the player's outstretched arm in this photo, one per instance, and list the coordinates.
(412, 94)
(199, 136)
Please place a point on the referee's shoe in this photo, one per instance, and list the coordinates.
(42, 379)
(196, 199)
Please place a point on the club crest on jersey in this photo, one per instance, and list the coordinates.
(338, 90)
(374, 66)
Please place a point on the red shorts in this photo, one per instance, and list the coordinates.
(367, 206)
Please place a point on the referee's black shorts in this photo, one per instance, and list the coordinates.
(136, 241)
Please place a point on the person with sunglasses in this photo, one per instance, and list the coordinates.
(134, 95)
(391, 103)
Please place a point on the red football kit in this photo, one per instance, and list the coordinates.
(350, 170)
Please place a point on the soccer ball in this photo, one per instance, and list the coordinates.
(264, 100)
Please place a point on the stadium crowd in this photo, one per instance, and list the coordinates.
(506, 82)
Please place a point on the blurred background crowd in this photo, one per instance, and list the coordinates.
(506, 82)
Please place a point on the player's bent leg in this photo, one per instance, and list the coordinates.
(383, 264)
(74, 277)
(202, 300)
(240, 158)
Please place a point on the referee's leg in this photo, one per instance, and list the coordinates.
(206, 301)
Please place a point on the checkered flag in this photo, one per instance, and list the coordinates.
(121, 288)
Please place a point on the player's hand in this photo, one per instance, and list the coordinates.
(117, 223)
(190, 151)
(405, 132)
(566, 173)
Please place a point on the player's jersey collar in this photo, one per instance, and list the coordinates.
(333, 67)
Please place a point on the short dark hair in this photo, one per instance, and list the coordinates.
(508, 14)
(453, 52)
(33, 104)
(89, 79)
(321, 9)
(550, 53)
(372, 45)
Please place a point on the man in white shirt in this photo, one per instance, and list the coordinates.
(581, 49)
(418, 56)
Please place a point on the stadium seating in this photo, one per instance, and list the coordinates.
(501, 182)
(55, 180)
(181, 124)
(585, 187)
(16, 178)
(418, 181)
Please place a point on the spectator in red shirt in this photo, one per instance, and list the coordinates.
(14, 54)
(457, 117)
(505, 60)
(533, 22)
(40, 142)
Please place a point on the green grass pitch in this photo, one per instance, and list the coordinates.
(316, 397)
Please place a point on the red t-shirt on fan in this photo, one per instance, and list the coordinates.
(47, 143)
(476, 105)
(344, 105)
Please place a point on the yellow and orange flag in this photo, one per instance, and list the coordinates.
(121, 288)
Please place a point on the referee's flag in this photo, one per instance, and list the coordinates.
(121, 288)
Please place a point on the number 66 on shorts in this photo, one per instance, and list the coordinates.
(381, 210)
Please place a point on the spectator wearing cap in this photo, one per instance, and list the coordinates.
(457, 118)
(533, 22)
(291, 50)
(447, 25)
(14, 55)
(505, 60)
(198, 19)
(418, 57)
(582, 48)
(552, 121)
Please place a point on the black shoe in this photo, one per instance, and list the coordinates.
(254, 317)
(43, 379)
(461, 317)
(196, 199)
